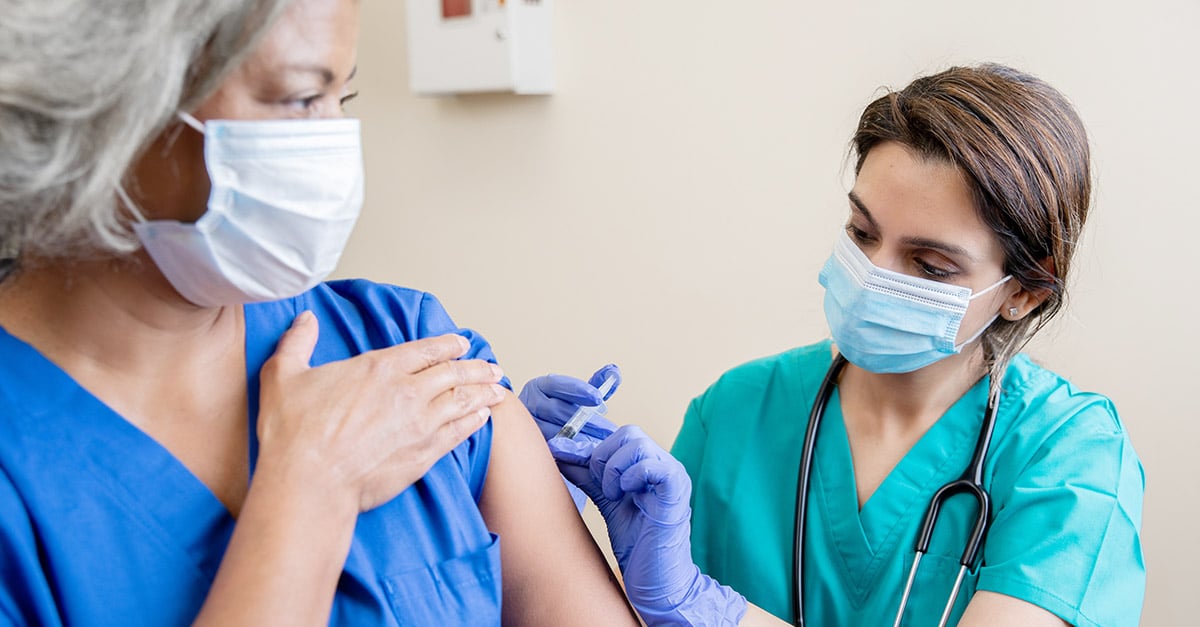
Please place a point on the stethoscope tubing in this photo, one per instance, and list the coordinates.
(824, 393)
(971, 482)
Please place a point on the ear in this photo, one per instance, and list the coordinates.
(1021, 302)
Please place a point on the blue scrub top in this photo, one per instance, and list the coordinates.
(1065, 483)
(100, 525)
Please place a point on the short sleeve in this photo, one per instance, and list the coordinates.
(25, 595)
(1066, 536)
(358, 315)
(434, 320)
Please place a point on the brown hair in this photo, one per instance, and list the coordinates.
(1024, 152)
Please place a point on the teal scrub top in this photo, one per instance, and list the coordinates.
(1065, 483)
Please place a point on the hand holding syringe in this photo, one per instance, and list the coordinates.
(584, 414)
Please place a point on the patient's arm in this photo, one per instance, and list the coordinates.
(554, 574)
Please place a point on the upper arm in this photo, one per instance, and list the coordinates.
(546, 553)
(990, 609)
(544, 547)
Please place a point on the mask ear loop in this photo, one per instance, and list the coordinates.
(990, 287)
(134, 210)
(191, 121)
(979, 333)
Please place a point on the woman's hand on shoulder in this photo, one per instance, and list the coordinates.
(369, 426)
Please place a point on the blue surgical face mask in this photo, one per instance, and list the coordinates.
(888, 322)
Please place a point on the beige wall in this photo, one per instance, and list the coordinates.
(669, 207)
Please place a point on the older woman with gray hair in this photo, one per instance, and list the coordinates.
(193, 426)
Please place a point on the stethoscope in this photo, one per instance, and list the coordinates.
(971, 482)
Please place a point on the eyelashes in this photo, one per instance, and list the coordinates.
(858, 234)
(932, 271)
(922, 266)
(312, 105)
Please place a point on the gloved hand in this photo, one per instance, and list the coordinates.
(643, 494)
(552, 398)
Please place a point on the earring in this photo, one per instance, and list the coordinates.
(1013, 311)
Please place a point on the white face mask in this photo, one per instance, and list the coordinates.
(285, 197)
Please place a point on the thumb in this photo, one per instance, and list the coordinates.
(295, 348)
(573, 457)
(574, 452)
(606, 371)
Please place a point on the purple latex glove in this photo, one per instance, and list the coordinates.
(552, 398)
(643, 494)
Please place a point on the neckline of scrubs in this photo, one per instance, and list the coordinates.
(867, 540)
(138, 462)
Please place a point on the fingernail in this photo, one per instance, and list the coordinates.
(304, 318)
(498, 391)
(483, 414)
(497, 372)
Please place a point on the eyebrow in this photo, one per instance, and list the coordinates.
(919, 242)
(325, 73)
(862, 208)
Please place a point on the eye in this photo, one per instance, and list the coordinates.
(305, 103)
(932, 271)
(348, 97)
(858, 235)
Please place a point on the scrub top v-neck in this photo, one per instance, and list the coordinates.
(100, 525)
(1065, 482)
(859, 546)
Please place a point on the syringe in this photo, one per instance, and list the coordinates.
(585, 414)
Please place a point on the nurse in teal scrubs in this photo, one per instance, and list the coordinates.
(972, 187)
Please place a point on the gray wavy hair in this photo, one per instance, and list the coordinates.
(85, 87)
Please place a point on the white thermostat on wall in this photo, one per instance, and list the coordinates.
(465, 46)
